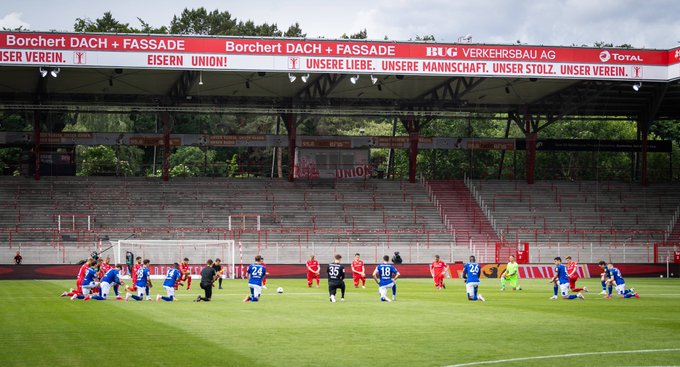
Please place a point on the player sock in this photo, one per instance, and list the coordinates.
(394, 290)
(98, 298)
(137, 298)
(604, 285)
(572, 296)
(115, 290)
(168, 299)
(188, 282)
(555, 289)
(609, 290)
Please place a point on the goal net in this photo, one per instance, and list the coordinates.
(167, 252)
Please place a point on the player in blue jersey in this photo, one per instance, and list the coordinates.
(471, 272)
(256, 271)
(90, 281)
(561, 280)
(616, 279)
(171, 278)
(385, 275)
(606, 280)
(143, 281)
(110, 279)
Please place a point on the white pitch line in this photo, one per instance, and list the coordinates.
(562, 356)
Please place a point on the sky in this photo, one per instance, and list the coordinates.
(642, 24)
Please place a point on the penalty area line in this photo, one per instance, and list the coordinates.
(562, 356)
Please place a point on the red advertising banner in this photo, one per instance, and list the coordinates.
(318, 55)
(529, 271)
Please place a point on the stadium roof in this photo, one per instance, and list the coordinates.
(107, 72)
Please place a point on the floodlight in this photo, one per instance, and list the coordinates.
(637, 86)
(304, 78)
(200, 78)
(291, 77)
(43, 72)
(374, 79)
(55, 72)
(354, 79)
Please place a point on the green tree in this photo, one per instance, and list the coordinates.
(361, 35)
(108, 24)
(192, 159)
(100, 161)
(295, 31)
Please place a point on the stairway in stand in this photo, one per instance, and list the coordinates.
(463, 213)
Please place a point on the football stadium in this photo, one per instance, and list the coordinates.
(264, 199)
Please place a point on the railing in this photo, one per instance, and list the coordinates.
(671, 224)
(483, 205)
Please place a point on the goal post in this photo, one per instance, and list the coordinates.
(167, 252)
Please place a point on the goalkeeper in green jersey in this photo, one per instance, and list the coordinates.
(509, 275)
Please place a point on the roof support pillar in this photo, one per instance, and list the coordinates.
(165, 119)
(36, 142)
(413, 132)
(531, 138)
(643, 126)
(289, 119)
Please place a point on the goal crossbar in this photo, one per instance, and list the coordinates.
(170, 251)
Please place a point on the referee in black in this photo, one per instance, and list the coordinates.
(336, 278)
(208, 275)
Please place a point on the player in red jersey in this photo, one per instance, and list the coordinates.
(358, 271)
(572, 273)
(438, 269)
(264, 277)
(79, 279)
(185, 270)
(138, 265)
(313, 271)
(104, 267)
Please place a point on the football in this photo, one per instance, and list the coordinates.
(279, 290)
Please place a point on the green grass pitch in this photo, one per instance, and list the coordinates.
(300, 327)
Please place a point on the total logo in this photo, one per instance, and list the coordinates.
(606, 56)
(441, 51)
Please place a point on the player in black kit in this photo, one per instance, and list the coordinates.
(336, 278)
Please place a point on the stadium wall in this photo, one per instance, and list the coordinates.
(538, 271)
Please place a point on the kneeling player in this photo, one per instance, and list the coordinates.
(143, 283)
(510, 275)
(79, 279)
(169, 284)
(385, 275)
(358, 271)
(572, 273)
(313, 271)
(617, 279)
(438, 270)
(561, 280)
(471, 276)
(336, 279)
(254, 274)
(605, 277)
(135, 268)
(110, 279)
(89, 283)
(185, 270)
